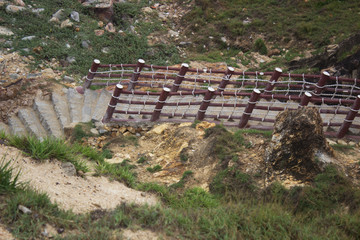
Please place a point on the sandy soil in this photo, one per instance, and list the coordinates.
(73, 192)
(5, 234)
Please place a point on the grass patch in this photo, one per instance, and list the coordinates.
(181, 182)
(226, 144)
(154, 169)
(264, 133)
(141, 160)
(9, 179)
(118, 171)
(341, 147)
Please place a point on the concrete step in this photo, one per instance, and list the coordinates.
(61, 107)
(48, 118)
(101, 105)
(17, 127)
(32, 123)
(90, 100)
(4, 128)
(76, 101)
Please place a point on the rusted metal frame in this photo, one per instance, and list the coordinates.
(349, 118)
(91, 74)
(112, 105)
(305, 99)
(255, 95)
(325, 76)
(154, 103)
(116, 65)
(274, 78)
(226, 79)
(205, 104)
(160, 103)
(135, 76)
(180, 77)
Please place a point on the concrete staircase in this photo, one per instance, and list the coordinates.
(50, 117)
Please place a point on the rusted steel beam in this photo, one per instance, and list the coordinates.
(160, 103)
(112, 105)
(320, 84)
(305, 99)
(225, 81)
(271, 84)
(249, 108)
(349, 118)
(136, 74)
(180, 77)
(90, 76)
(205, 104)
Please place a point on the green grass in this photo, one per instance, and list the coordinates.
(124, 48)
(119, 171)
(141, 160)
(264, 133)
(154, 169)
(184, 178)
(341, 147)
(9, 179)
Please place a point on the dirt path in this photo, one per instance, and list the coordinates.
(5, 234)
(73, 192)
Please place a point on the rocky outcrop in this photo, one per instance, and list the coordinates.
(298, 146)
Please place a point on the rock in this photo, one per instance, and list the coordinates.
(94, 131)
(297, 139)
(49, 231)
(330, 142)
(58, 15)
(14, 9)
(71, 59)
(247, 21)
(85, 44)
(223, 39)
(342, 142)
(68, 79)
(28, 38)
(172, 33)
(66, 23)
(159, 129)
(8, 43)
(75, 16)
(69, 168)
(98, 3)
(48, 73)
(99, 32)
(5, 31)
(37, 11)
(24, 209)
(146, 10)
(105, 50)
(67, 45)
(19, 3)
(14, 76)
(274, 52)
(110, 28)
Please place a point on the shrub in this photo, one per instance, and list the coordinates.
(259, 46)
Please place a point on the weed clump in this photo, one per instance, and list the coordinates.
(8, 178)
(259, 46)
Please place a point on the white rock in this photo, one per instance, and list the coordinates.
(24, 209)
(75, 16)
(28, 38)
(5, 31)
(14, 9)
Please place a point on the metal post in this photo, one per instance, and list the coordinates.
(160, 103)
(349, 118)
(136, 74)
(90, 76)
(180, 77)
(249, 108)
(305, 99)
(205, 103)
(229, 72)
(112, 105)
(320, 85)
(274, 77)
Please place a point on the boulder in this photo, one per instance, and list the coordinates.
(298, 146)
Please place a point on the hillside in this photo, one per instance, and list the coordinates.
(190, 180)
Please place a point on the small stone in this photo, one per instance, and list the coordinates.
(223, 39)
(138, 134)
(28, 38)
(75, 16)
(5, 31)
(131, 130)
(8, 43)
(342, 142)
(172, 33)
(105, 50)
(54, 19)
(14, 9)
(146, 10)
(101, 24)
(68, 79)
(352, 144)
(69, 168)
(71, 59)
(99, 32)
(67, 45)
(19, 2)
(25, 50)
(58, 14)
(127, 134)
(110, 28)
(14, 76)
(330, 142)
(66, 23)
(48, 73)
(24, 209)
(37, 11)
(49, 231)
(85, 44)
(94, 131)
